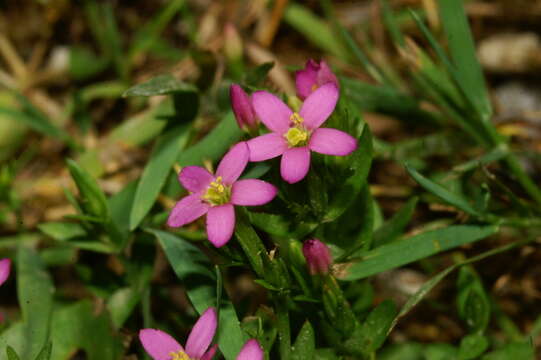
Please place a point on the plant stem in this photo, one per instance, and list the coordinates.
(284, 335)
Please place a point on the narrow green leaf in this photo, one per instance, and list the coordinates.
(77, 327)
(35, 292)
(472, 346)
(514, 350)
(304, 347)
(195, 271)
(12, 355)
(45, 353)
(394, 227)
(462, 49)
(375, 327)
(40, 123)
(314, 29)
(62, 231)
(160, 85)
(360, 166)
(444, 194)
(92, 198)
(251, 244)
(214, 145)
(163, 156)
(414, 248)
(278, 225)
(472, 300)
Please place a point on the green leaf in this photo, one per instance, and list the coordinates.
(460, 42)
(12, 355)
(35, 292)
(472, 300)
(251, 244)
(275, 224)
(360, 165)
(160, 85)
(515, 350)
(374, 329)
(452, 198)
(163, 156)
(414, 248)
(195, 271)
(472, 346)
(314, 29)
(394, 227)
(440, 352)
(77, 327)
(45, 353)
(92, 198)
(36, 120)
(214, 145)
(305, 345)
(62, 231)
(84, 64)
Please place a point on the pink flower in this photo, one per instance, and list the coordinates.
(318, 257)
(5, 268)
(294, 134)
(251, 351)
(215, 195)
(161, 346)
(242, 107)
(312, 77)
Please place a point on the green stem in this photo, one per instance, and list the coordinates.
(531, 188)
(284, 332)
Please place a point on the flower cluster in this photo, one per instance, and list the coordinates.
(161, 346)
(292, 135)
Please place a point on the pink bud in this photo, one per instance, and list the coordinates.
(312, 77)
(5, 268)
(318, 256)
(242, 107)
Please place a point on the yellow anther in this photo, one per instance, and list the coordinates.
(180, 355)
(314, 87)
(296, 136)
(296, 118)
(217, 193)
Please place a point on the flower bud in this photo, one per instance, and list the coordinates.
(5, 267)
(232, 43)
(318, 256)
(242, 107)
(313, 76)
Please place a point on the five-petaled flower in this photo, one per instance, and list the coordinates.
(318, 257)
(294, 134)
(215, 195)
(161, 346)
(312, 77)
(5, 268)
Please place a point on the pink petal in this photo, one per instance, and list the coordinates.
(325, 75)
(272, 111)
(242, 106)
(295, 164)
(319, 106)
(252, 192)
(5, 268)
(305, 79)
(332, 142)
(251, 351)
(158, 344)
(266, 146)
(202, 333)
(210, 354)
(195, 178)
(233, 163)
(187, 210)
(220, 224)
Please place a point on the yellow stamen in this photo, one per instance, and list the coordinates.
(314, 87)
(180, 355)
(296, 136)
(217, 193)
(296, 118)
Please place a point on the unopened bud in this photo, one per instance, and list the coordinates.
(318, 256)
(242, 107)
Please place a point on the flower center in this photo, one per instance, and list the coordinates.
(180, 355)
(217, 194)
(297, 135)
